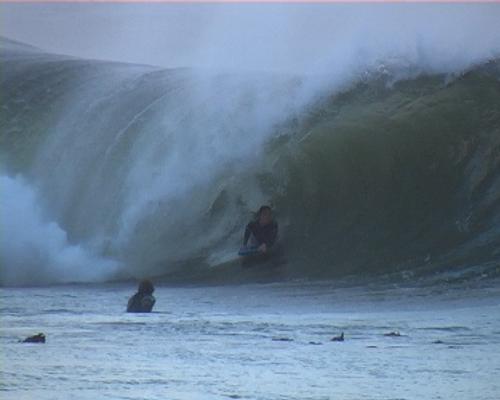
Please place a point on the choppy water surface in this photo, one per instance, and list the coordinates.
(268, 341)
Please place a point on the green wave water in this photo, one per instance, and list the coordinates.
(159, 170)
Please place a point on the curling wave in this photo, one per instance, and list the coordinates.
(155, 172)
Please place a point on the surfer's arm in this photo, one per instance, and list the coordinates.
(273, 236)
(248, 232)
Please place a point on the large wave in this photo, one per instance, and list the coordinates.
(398, 176)
(140, 171)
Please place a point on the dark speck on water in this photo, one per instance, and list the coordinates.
(282, 339)
(339, 338)
(393, 334)
(38, 338)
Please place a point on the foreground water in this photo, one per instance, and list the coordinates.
(260, 341)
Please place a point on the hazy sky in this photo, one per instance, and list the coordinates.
(294, 37)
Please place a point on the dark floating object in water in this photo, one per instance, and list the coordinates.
(38, 338)
(143, 301)
(438, 342)
(393, 334)
(371, 347)
(282, 339)
(338, 338)
(315, 343)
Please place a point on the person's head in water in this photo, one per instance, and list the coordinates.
(142, 301)
(146, 287)
(265, 215)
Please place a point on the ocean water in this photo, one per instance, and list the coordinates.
(256, 341)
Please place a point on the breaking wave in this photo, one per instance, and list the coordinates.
(114, 171)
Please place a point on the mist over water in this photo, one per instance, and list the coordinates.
(35, 250)
(117, 170)
(293, 38)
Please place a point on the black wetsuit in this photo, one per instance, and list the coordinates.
(141, 303)
(263, 234)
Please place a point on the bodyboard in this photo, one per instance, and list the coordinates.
(248, 251)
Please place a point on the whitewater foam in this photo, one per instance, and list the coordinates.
(35, 250)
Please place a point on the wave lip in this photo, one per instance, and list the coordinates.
(10, 45)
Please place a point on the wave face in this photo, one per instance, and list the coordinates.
(115, 171)
(402, 176)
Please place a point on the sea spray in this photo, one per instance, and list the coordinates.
(35, 250)
(138, 162)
